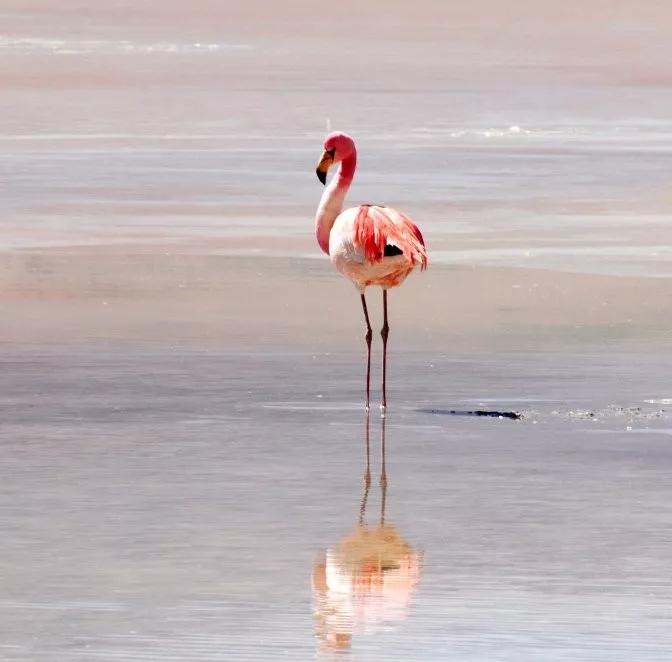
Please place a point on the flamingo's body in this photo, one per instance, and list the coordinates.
(374, 245)
(370, 244)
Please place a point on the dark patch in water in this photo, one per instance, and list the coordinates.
(513, 415)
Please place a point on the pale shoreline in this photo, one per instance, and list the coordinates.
(192, 296)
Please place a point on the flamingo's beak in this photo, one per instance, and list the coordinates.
(324, 164)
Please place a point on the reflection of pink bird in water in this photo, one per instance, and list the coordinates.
(370, 244)
(368, 579)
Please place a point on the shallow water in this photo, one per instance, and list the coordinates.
(542, 134)
(183, 505)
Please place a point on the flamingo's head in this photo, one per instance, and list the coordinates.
(337, 146)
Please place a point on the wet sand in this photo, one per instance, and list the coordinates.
(190, 296)
(183, 442)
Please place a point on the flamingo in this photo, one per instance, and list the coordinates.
(369, 244)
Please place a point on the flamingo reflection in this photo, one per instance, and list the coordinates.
(368, 578)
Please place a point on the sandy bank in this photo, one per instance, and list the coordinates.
(153, 294)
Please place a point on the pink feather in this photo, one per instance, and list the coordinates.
(375, 227)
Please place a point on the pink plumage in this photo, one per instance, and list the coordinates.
(377, 227)
(369, 244)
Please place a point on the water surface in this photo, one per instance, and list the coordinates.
(186, 506)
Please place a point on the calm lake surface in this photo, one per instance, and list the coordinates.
(205, 506)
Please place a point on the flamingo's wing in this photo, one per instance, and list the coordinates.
(378, 230)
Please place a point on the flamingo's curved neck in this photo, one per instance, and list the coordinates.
(331, 203)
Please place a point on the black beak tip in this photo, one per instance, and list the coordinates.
(321, 175)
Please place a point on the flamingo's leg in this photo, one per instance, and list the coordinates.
(369, 336)
(384, 332)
